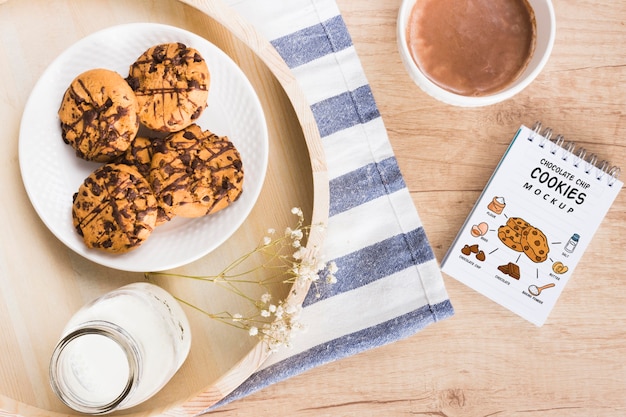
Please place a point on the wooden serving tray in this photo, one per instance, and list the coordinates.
(42, 283)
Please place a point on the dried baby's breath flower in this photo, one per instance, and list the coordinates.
(297, 211)
(290, 263)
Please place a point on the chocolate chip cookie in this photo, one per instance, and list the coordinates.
(195, 172)
(114, 209)
(98, 115)
(511, 237)
(517, 223)
(171, 82)
(511, 233)
(139, 155)
(535, 244)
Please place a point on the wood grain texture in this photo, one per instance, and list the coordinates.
(484, 361)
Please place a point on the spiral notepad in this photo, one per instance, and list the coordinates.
(533, 221)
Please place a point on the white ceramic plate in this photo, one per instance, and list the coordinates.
(52, 173)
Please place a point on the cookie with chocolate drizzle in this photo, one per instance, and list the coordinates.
(139, 155)
(98, 115)
(114, 209)
(171, 82)
(195, 172)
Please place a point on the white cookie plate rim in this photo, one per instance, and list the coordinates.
(52, 173)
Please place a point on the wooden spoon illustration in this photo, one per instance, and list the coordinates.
(535, 290)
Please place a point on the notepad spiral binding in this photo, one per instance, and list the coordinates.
(568, 150)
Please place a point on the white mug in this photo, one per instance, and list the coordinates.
(544, 41)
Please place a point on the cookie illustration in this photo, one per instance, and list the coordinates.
(521, 236)
(195, 172)
(98, 115)
(535, 244)
(516, 223)
(114, 209)
(511, 237)
(171, 82)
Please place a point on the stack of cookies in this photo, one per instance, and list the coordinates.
(173, 169)
(521, 236)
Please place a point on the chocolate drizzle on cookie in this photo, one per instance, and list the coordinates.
(98, 115)
(195, 172)
(171, 82)
(172, 168)
(114, 209)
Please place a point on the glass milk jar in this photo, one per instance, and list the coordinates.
(120, 349)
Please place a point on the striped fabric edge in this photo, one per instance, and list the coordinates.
(339, 348)
(380, 301)
(392, 257)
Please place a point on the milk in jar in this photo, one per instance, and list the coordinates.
(120, 349)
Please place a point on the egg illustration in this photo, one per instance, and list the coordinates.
(479, 229)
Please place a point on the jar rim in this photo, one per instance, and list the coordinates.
(114, 333)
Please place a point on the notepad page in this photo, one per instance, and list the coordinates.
(531, 225)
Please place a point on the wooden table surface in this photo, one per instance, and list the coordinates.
(486, 361)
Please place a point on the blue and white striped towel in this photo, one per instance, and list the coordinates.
(389, 285)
